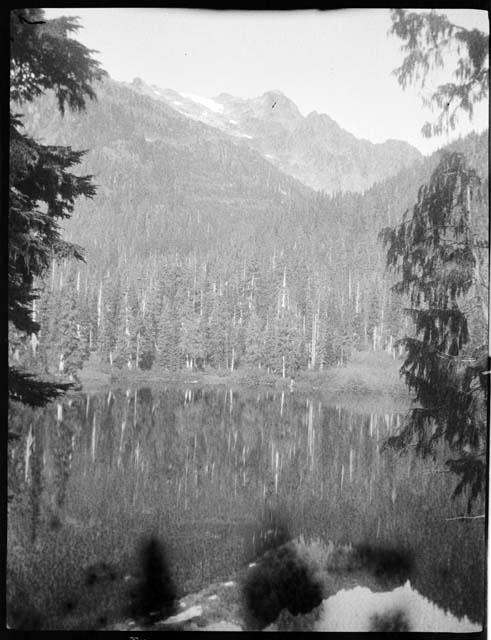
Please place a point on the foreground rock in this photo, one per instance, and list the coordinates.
(215, 608)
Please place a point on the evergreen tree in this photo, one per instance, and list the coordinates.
(147, 338)
(217, 332)
(288, 344)
(427, 38)
(253, 338)
(42, 189)
(123, 350)
(191, 342)
(434, 251)
(72, 340)
(107, 335)
(270, 348)
(167, 348)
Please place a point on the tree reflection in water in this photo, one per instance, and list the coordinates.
(200, 468)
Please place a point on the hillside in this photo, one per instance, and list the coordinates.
(158, 170)
(202, 253)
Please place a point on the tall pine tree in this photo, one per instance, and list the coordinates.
(436, 252)
(42, 187)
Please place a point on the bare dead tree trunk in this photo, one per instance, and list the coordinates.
(479, 285)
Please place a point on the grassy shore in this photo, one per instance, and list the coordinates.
(369, 379)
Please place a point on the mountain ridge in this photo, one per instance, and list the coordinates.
(313, 148)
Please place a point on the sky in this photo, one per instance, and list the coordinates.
(335, 62)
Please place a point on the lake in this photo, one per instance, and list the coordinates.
(201, 468)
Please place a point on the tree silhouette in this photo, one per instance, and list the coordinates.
(436, 251)
(428, 37)
(42, 188)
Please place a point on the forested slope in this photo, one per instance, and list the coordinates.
(201, 253)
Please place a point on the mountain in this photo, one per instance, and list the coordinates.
(200, 252)
(313, 149)
(163, 177)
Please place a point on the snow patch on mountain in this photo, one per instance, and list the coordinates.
(209, 103)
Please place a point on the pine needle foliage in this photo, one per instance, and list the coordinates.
(428, 39)
(42, 187)
(438, 255)
(434, 251)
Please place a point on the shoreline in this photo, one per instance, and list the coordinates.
(369, 380)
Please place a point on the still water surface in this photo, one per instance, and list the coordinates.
(200, 467)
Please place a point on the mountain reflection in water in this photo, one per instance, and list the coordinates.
(200, 468)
